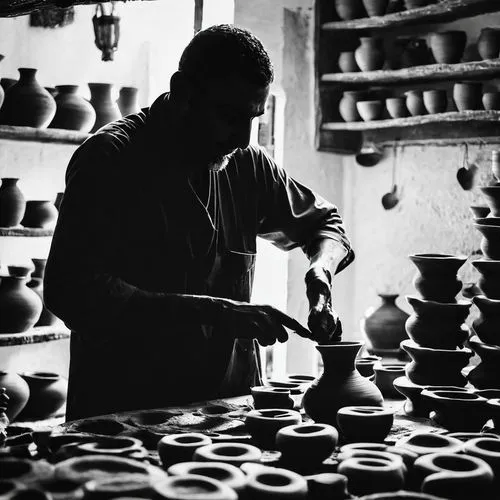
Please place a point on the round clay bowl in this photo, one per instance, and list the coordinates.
(487, 449)
(385, 376)
(116, 446)
(24, 471)
(479, 211)
(176, 448)
(396, 107)
(271, 397)
(448, 46)
(124, 487)
(424, 443)
(468, 95)
(269, 483)
(190, 487)
(234, 453)
(370, 110)
(491, 101)
(435, 101)
(365, 423)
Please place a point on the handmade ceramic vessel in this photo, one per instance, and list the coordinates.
(18, 392)
(327, 485)
(488, 43)
(396, 107)
(365, 423)
(429, 443)
(118, 446)
(12, 203)
(486, 326)
(364, 364)
(339, 385)
(271, 397)
(349, 9)
(106, 109)
(48, 393)
(435, 101)
(39, 214)
(414, 405)
(347, 62)
(490, 241)
(468, 95)
(176, 448)
(28, 473)
(269, 483)
(485, 375)
(348, 105)
(233, 453)
(73, 111)
(370, 55)
(385, 374)
(415, 102)
(492, 197)
(489, 277)
(127, 101)
(36, 284)
(192, 486)
(370, 110)
(448, 46)
(487, 449)
(491, 101)
(375, 7)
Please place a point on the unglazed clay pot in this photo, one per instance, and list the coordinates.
(489, 277)
(396, 107)
(468, 95)
(192, 486)
(487, 449)
(436, 366)
(347, 106)
(12, 203)
(438, 325)
(36, 284)
(385, 374)
(48, 393)
(384, 327)
(415, 102)
(479, 211)
(270, 483)
(119, 488)
(127, 101)
(375, 8)
(370, 55)
(234, 453)
(491, 101)
(448, 46)
(488, 43)
(365, 423)
(490, 242)
(414, 405)
(40, 214)
(176, 448)
(427, 443)
(492, 196)
(27, 103)
(118, 446)
(486, 375)
(435, 101)
(327, 485)
(339, 385)
(364, 364)
(7, 83)
(271, 397)
(73, 111)
(370, 110)
(18, 392)
(106, 109)
(486, 325)
(349, 9)
(347, 62)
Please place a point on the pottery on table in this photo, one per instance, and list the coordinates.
(347, 62)
(364, 364)
(18, 392)
(488, 43)
(429, 443)
(385, 374)
(176, 448)
(468, 95)
(339, 385)
(106, 109)
(127, 101)
(327, 485)
(370, 110)
(349, 9)
(192, 486)
(7, 83)
(370, 55)
(36, 284)
(490, 241)
(489, 277)
(480, 211)
(396, 107)
(27, 103)
(435, 101)
(118, 446)
(231, 453)
(492, 197)
(348, 105)
(486, 326)
(485, 375)
(448, 46)
(270, 483)
(491, 101)
(375, 8)
(12, 203)
(415, 102)
(271, 397)
(487, 449)
(365, 423)
(26, 472)
(73, 111)
(39, 214)
(131, 487)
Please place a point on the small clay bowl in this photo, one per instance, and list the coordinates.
(396, 107)
(176, 448)
(480, 211)
(267, 483)
(385, 376)
(271, 397)
(233, 453)
(365, 423)
(263, 425)
(423, 443)
(370, 110)
(326, 485)
(39, 214)
(487, 449)
(491, 101)
(364, 364)
(192, 486)
(435, 101)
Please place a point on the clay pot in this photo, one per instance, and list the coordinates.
(438, 325)
(385, 376)
(370, 110)
(106, 109)
(487, 449)
(271, 397)
(234, 453)
(488, 43)
(347, 105)
(448, 46)
(349, 9)
(339, 385)
(20, 307)
(489, 277)
(429, 443)
(73, 111)
(479, 211)
(327, 485)
(117, 446)
(176, 448)
(486, 325)
(131, 487)
(486, 375)
(436, 366)
(27, 103)
(26, 472)
(7, 83)
(491, 101)
(370, 55)
(36, 284)
(435, 101)
(264, 424)
(371, 450)
(375, 8)
(490, 242)
(127, 101)
(47, 394)
(40, 214)
(468, 95)
(396, 107)
(18, 392)
(12, 203)
(270, 483)
(192, 486)
(414, 405)
(453, 476)
(415, 102)
(306, 444)
(364, 365)
(384, 327)
(492, 196)
(347, 62)
(365, 423)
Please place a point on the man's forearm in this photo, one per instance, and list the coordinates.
(326, 254)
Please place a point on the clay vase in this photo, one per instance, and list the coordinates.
(436, 366)
(365, 364)
(375, 8)
(384, 327)
(435, 101)
(349, 9)
(396, 107)
(47, 394)
(27, 103)
(347, 62)
(365, 423)
(18, 392)
(448, 46)
(106, 109)
(12, 203)
(468, 95)
(488, 43)
(73, 111)
(177, 448)
(490, 242)
(489, 277)
(385, 374)
(40, 214)
(271, 397)
(492, 196)
(36, 284)
(486, 325)
(436, 278)
(347, 106)
(415, 102)
(20, 307)
(491, 101)
(339, 385)
(192, 486)
(127, 101)
(370, 55)
(486, 375)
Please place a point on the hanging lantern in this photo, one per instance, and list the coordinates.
(106, 30)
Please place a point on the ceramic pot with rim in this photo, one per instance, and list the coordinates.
(118, 446)
(339, 385)
(489, 277)
(485, 375)
(106, 109)
(127, 101)
(231, 453)
(12, 203)
(349, 9)
(347, 62)
(492, 197)
(192, 486)
(271, 397)
(486, 325)
(488, 43)
(365, 423)
(347, 105)
(490, 241)
(415, 102)
(176, 448)
(468, 95)
(385, 374)
(365, 364)
(36, 284)
(375, 8)
(491, 101)
(73, 111)
(327, 485)
(396, 107)
(118, 488)
(7, 83)
(39, 214)
(435, 101)
(18, 392)
(448, 46)
(487, 449)
(370, 55)
(370, 110)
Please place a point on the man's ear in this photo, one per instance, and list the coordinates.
(181, 88)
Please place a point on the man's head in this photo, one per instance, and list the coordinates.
(222, 84)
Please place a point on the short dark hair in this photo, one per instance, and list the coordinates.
(224, 49)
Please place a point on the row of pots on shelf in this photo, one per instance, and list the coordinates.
(467, 96)
(27, 103)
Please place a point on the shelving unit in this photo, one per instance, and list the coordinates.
(52, 135)
(35, 335)
(29, 232)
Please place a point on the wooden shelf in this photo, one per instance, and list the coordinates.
(53, 135)
(36, 335)
(29, 232)
(419, 74)
(442, 12)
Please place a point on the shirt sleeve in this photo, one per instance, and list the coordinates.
(295, 216)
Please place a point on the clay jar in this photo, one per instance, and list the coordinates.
(488, 43)
(306, 444)
(375, 7)
(491, 101)
(396, 107)
(365, 423)
(370, 110)
(448, 46)
(436, 366)
(39, 214)
(492, 196)
(415, 102)
(384, 327)
(192, 486)
(327, 485)
(36, 284)
(414, 405)
(370, 55)
(270, 483)
(339, 385)
(47, 394)
(365, 364)
(347, 105)
(347, 62)
(435, 101)
(486, 325)
(27, 103)
(127, 101)
(486, 375)
(490, 242)
(264, 424)
(468, 95)
(349, 9)
(180, 447)
(106, 109)
(12, 203)
(489, 277)
(73, 111)
(234, 453)
(18, 392)
(385, 374)
(487, 449)
(271, 397)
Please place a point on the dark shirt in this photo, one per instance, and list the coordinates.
(132, 228)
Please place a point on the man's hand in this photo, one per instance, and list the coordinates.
(323, 322)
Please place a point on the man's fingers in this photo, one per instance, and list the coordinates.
(292, 324)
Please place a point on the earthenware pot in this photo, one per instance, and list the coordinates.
(490, 242)
(491, 101)
(385, 374)
(18, 392)
(427, 443)
(306, 443)
(271, 397)
(339, 385)
(347, 62)
(414, 405)
(36, 284)
(26, 472)
(435, 101)
(479, 211)
(264, 424)
(467, 436)
(348, 105)
(365, 423)
(370, 110)
(448, 46)
(131, 487)
(396, 107)
(486, 325)
(39, 213)
(415, 102)
(106, 109)
(489, 277)
(486, 375)
(468, 95)
(375, 8)
(269, 483)
(487, 449)
(192, 486)
(370, 55)
(364, 364)
(118, 446)
(127, 101)
(73, 111)
(327, 485)
(436, 366)
(384, 327)
(176, 448)
(7, 83)
(349, 9)
(27, 103)
(233, 453)
(488, 43)
(47, 394)
(12, 203)
(492, 197)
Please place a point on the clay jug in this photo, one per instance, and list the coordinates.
(384, 327)
(347, 105)
(347, 62)
(488, 43)
(127, 101)
(106, 109)
(73, 111)
(18, 392)
(486, 325)
(468, 95)
(47, 394)
(349, 9)
(20, 307)
(486, 375)
(370, 54)
(490, 242)
(436, 278)
(12, 203)
(448, 46)
(339, 385)
(489, 277)
(375, 7)
(36, 284)
(27, 103)
(415, 102)
(40, 214)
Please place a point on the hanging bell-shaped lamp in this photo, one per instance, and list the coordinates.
(106, 30)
